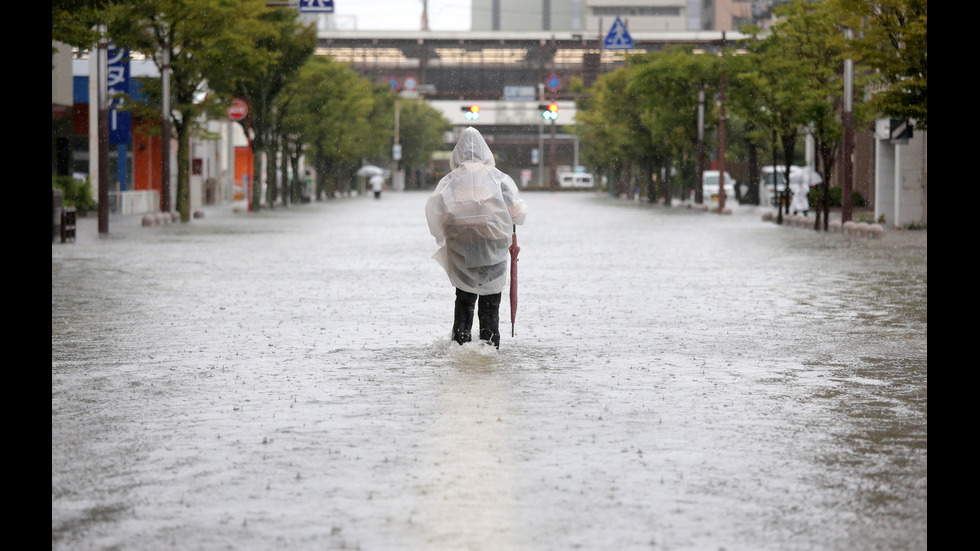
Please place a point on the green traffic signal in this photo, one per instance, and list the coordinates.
(472, 112)
(550, 111)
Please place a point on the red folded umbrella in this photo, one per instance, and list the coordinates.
(514, 249)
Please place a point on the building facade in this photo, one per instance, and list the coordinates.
(508, 73)
(596, 16)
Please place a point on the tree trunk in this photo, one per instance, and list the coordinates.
(271, 173)
(297, 186)
(752, 195)
(624, 179)
(256, 183)
(284, 171)
(320, 161)
(789, 145)
(183, 171)
(651, 187)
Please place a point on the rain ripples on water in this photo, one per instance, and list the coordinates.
(677, 380)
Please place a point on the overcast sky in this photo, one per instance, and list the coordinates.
(365, 15)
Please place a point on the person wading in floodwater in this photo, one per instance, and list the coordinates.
(377, 184)
(471, 214)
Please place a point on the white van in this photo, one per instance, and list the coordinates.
(576, 180)
(709, 188)
(773, 184)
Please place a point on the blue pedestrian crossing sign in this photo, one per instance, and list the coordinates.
(618, 38)
(316, 6)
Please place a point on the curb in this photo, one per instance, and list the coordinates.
(849, 228)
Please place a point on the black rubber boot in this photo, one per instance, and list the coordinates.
(463, 316)
(489, 316)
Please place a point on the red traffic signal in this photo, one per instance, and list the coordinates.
(472, 112)
(549, 111)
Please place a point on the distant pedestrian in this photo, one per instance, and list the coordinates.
(377, 184)
(801, 180)
(472, 214)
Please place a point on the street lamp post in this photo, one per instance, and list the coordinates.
(721, 132)
(699, 188)
(848, 137)
(165, 132)
(103, 122)
(396, 152)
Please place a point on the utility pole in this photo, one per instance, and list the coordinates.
(848, 137)
(396, 154)
(699, 188)
(165, 132)
(103, 121)
(721, 132)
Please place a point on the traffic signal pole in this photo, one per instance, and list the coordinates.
(551, 155)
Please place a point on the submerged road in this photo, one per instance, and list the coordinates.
(678, 380)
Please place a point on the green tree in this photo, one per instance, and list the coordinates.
(74, 22)
(811, 35)
(202, 39)
(611, 128)
(774, 74)
(375, 144)
(601, 126)
(282, 45)
(890, 41)
(747, 104)
(420, 133)
(665, 86)
(330, 111)
(290, 147)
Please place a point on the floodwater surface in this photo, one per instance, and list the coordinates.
(677, 380)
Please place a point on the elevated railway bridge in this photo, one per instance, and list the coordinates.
(507, 74)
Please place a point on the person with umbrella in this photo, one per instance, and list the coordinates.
(800, 182)
(377, 182)
(471, 214)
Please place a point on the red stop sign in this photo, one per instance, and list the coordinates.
(237, 110)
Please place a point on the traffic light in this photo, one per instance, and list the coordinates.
(549, 111)
(472, 112)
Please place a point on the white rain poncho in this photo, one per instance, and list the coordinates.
(800, 182)
(471, 214)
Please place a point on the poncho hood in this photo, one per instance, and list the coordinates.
(471, 148)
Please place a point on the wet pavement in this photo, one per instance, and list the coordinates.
(677, 380)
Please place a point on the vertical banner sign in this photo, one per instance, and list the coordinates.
(117, 84)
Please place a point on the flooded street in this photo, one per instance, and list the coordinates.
(677, 380)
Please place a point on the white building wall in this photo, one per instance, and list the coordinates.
(900, 178)
(885, 196)
(62, 80)
(603, 13)
(910, 204)
(578, 15)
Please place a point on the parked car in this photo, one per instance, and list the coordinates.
(709, 187)
(576, 180)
